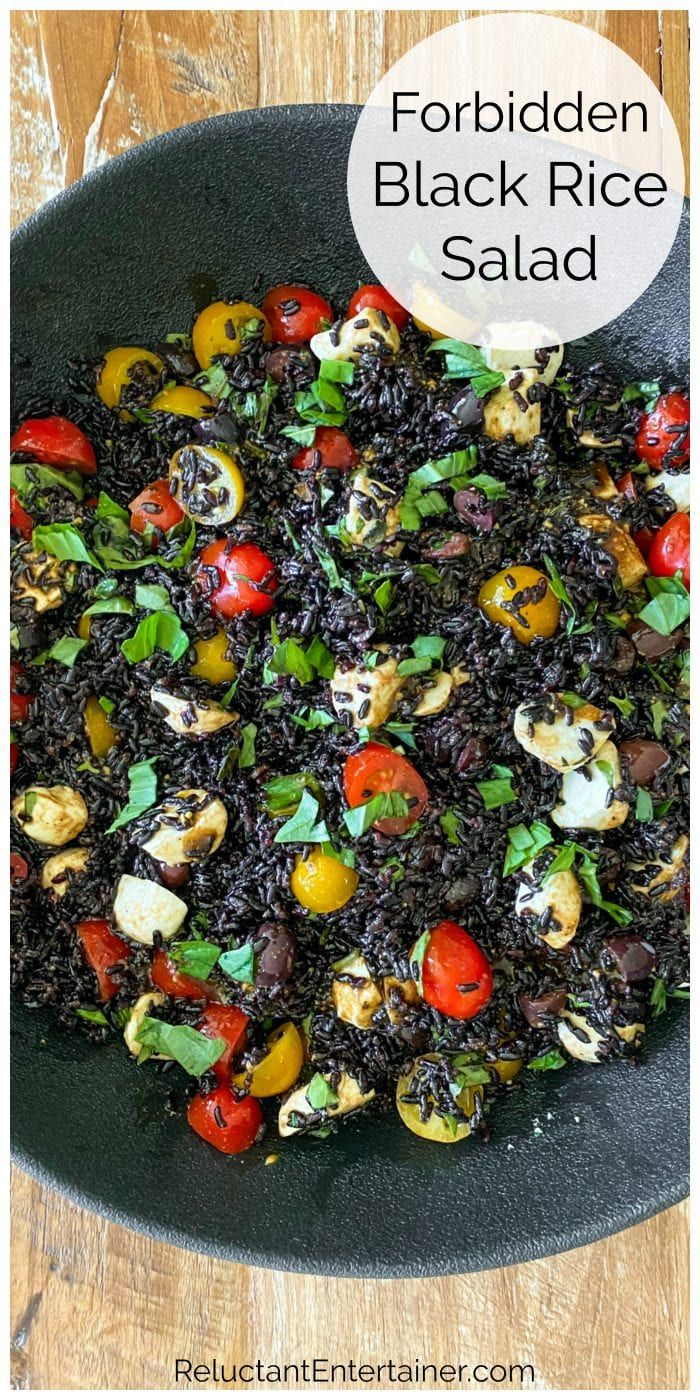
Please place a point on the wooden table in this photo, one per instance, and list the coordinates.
(93, 1305)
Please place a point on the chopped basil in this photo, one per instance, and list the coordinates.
(88, 1013)
(464, 361)
(310, 719)
(30, 801)
(195, 957)
(383, 595)
(647, 390)
(247, 755)
(659, 716)
(414, 665)
(572, 697)
(330, 568)
(160, 631)
(660, 994)
(606, 769)
(418, 953)
(239, 963)
(401, 730)
(109, 606)
(290, 659)
(153, 597)
(622, 704)
(65, 649)
(497, 791)
(303, 436)
(587, 873)
(303, 827)
(420, 499)
(143, 790)
(395, 868)
(106, 704)
(449, 821)
(107, 508)
(359, 819)
(64, 542)
(320, 1094)
(283, 794)
(428, 573)
(557, 584)
(669, 607)
(190, 1048)
(322, 404)
(644, 807)
(118, 547)
(524, 844)
(434, 647)
(552, 1060)
(29, 480)
(337, 371)
(214, 381)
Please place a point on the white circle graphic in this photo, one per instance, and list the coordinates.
(515, 173)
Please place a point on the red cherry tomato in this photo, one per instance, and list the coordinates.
(335, 448)
(14, 756)
(379, 299)
(56, 442)
(295, 313)
(669, 550)
(663, 437)
(229, 1124)
(627, 486)
(20, 519)
(453, 961)
(167, 978)
(19, 703)
(19, 869)
(643, 539)
(155, 506)
(103, 950)
(378, 769)
(229, 1024)
(246, 579)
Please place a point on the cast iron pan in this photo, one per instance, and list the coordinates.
(129, 253)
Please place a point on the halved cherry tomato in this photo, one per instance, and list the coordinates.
(19, 704)
(456, 975)
(14, 756)
(669, 550)
(103, 950)
(372, 295)
(19, 869)
(227, 1023)
(295, 313)
(167, 978)
(378, 769)
(246, 579)
(627, 486)
(663, 437)
(20, 519)
(57, 442)
(155, 506)
(643, 539)
(335, 448)
(229, 1124)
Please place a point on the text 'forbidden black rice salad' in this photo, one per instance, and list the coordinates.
(350, 713)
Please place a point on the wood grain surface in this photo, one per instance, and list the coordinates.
(94, 1306)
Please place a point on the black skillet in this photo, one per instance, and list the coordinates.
(128, 253)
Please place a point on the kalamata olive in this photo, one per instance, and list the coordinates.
(179, 361)
(172, 876)
(653, 646)
(473, 508)
(645, 758)
(451, 548)
(634, 958)
(221, 428)
(460, 892)
(474, 753)
(536, 1009)
(276, 955)
(289, 364)
(467, 408)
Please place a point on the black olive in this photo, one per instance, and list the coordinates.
(473, 508)
(287, 364)
(453, 547)
(474, 753)
(645, 759)
(536, 1009)
(178, 361)
(221, 428)
(467, 408)
(276, 955)
(634, 958)
(172, 876)
(653, 646)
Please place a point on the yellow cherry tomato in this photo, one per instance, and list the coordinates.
(184, 400)
(217, 330)
(212, 664)
(207, 484)
(117, 371)
(436, 1128)
(280, 1068)
(83, 628)
(530, 621)
(102, 736)
(321, 883)
(507, 1070)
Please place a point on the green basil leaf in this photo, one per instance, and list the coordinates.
(524, 844)
(66, 650)
(190, 1048)
(89, 1013)
(30, 479)
(303, 828)
(195, 957)
(418, 953)
(239, 963)
(284, 793)
(143, 790)
(498, 791)
(320, 1094)
(337, 371)
(153, 597)
(644, 807)
(414, 665)
(247, 755)
(359, 819)
(434, 647)
(106, 704)
(65, 542)
(622, 704)
(303, 436)
(107, 508)
(311, 719)
(449, 822)
(160, 631)
(108, 606)
(552, 1060)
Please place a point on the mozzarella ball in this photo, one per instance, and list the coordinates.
(676, 485)
(53, 816)
(546, 729)
(141, 1008)
(664, 879)
(143, 908)
(585, 795)
(369, 330)
(546, 361)
(581, 1040)
(43, 580)
(355, 995)
(618, 542)
(194, 719)
(185, 828)
(350, 1098)
(372, 516)
(559, 895)
(366, 697)
(504, 415)
(59, 871)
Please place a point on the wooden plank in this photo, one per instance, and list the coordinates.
(94, 1306)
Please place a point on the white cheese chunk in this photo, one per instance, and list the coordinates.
(369, 330)
(586, 803)
(367, 696)
(350, 1098)
(143, 907)
(192, 718)
(560, 740)
(53, 816)
(59, 871)
(189, 825)
(561, 894)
